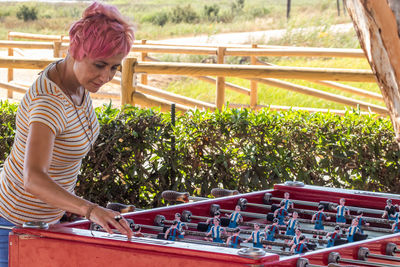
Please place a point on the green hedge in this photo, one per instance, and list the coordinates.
(135, 157)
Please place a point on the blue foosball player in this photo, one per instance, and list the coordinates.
(341, 211)
(361, 221)
(295, 240)
(333, 236)
(292, 224)
(396, 227)
(271, 231)
(281, 214)
(353, 229)
(235, 217)
(287, 203)
(216, 231)
(234, 240)
(210, 221)
(256, 236)
(173, 232)
(391, 211)
(181, 224)
(318, 218)
(301, 247)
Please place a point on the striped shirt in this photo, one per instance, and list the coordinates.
(46, 103)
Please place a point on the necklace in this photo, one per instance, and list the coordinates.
(76, 110)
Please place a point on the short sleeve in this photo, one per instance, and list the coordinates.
(49, 110)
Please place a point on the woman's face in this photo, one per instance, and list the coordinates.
(94, 73)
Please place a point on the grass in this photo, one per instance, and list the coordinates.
(254, 16)
(268, 95)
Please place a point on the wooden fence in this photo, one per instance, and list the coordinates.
(135, 92)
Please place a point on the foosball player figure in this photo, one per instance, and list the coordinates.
(271, 231)
(333, 236)
(296, 238)
(256, 236)
(210, 221)
(173, 232)
(281, 214)
(288, 204)
(396, 227)
(301, 247)
(391, 211)
(137, 231)
(292, 224)
(319, 217)
(352, 230)
(235, 217)
(234, 240)
(216, 231)
(361, 221)
(341, 211)
(181, 224)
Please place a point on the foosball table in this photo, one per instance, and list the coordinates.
(290, 225)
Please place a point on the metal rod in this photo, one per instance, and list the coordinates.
(6, 227)
(316, 204)
(262, 216)
(367, 263)
(384, 257)
(311, 212)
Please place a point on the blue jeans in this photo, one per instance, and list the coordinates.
(4, 242)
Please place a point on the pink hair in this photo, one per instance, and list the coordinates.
(100, 33)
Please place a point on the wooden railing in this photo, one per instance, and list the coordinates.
(135, 92)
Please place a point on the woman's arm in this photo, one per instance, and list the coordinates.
(38, 154)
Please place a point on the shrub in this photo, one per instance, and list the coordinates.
(185, 14)
(27, 13)
(211, 12)
(237, 6)
(139, 153)
(159, 18)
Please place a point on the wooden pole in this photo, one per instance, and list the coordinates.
(324, 95)
(249, 71)
(57, 49)
(340, 86)
(10, 71)
(143, 56)
(127, 86)
(253, 84)
(220, 91)
(174, 98)
(231, 86)
(376, 24)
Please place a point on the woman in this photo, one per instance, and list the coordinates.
(56, 127)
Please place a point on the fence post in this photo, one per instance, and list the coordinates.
(10, 74)
(127, 86)
(220, 92)
(143, 55)
(57, 49)
(253, 84)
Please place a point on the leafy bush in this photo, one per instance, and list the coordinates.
(159, 18)
(7, 128)
(211, 12)
(184, 14)
(237, 6)
(139, 153)
(27, 13)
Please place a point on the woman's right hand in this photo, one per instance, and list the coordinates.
(106, 217)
